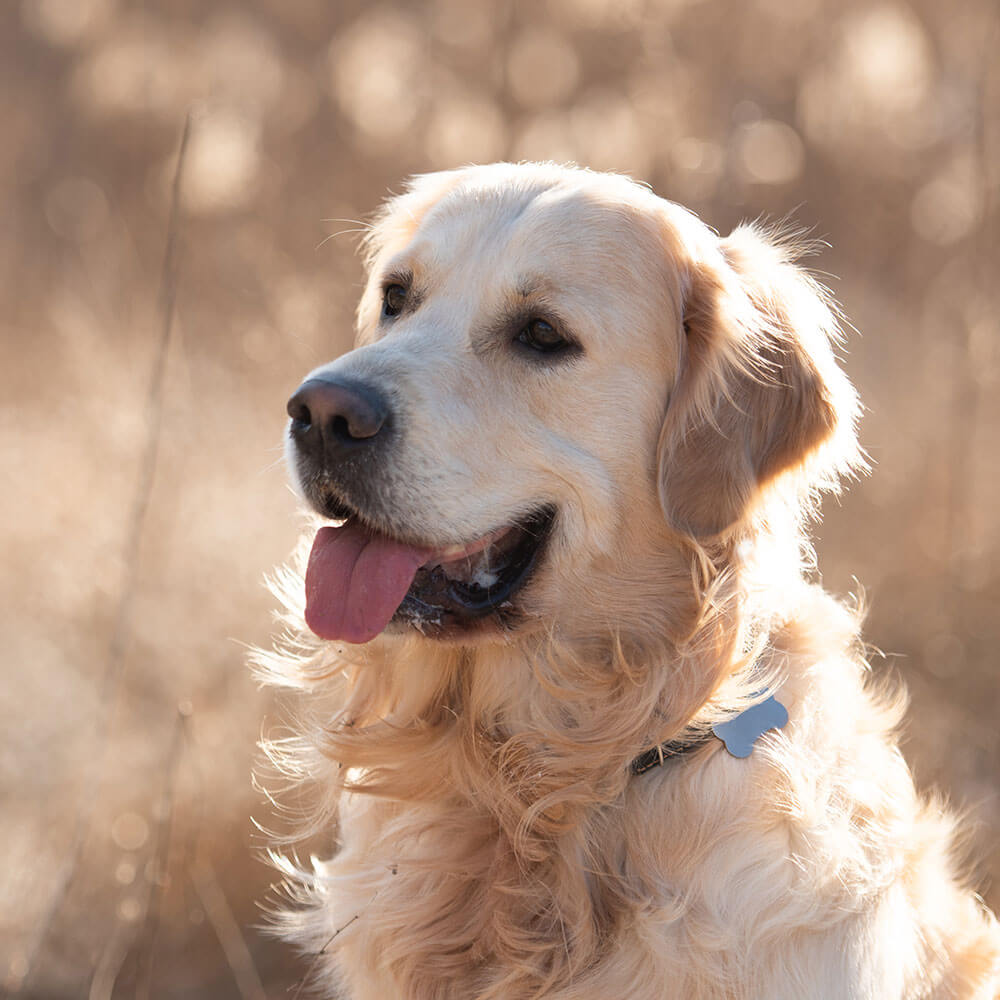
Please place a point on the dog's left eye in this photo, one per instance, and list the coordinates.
(541, 336)
(393, 300)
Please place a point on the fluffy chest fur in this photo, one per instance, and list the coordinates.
(810, 869)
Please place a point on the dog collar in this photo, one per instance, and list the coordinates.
(739, 734)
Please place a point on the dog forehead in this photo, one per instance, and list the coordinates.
(568, 233)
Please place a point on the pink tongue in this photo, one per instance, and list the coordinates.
(355, 580)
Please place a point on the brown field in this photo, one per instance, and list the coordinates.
(145, 495)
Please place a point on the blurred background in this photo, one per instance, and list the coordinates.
(145, 496)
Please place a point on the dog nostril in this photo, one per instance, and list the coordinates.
(357, 425)
(299, 412)
(341, 429)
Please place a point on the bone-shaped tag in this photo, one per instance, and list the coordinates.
(741, 732)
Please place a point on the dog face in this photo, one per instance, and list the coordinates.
(557, 374)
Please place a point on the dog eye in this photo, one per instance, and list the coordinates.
(541, 336)
(393, 300)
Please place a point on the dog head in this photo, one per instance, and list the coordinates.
(560, 380)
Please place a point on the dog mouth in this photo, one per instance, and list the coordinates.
(360, 581)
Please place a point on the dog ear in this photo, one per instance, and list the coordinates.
(759, 397)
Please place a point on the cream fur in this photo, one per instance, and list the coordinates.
(491, 841)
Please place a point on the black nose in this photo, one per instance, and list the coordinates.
(332, 418)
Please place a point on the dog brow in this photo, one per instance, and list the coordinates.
(528, 285)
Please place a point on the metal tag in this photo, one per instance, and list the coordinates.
(740, 733)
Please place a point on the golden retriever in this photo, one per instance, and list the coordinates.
(569, 468)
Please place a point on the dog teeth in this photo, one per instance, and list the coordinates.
(485, 578)
(467, 571)
(453, 553)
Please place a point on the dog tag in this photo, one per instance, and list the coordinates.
(740, 733)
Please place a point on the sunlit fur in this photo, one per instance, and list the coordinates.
(491, 840)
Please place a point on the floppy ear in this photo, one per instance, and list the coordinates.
(759, 396)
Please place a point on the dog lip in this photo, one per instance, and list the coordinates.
(453, 553)
(335, 508)
(331, 505)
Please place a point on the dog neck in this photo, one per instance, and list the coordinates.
(520, 723)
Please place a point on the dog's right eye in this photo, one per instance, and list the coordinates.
(542, 337)
(393, 300)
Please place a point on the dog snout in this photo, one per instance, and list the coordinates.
(332, 419)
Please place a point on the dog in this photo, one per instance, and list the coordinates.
(578, 721)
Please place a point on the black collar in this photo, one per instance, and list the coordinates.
(659, 755)
(738, 732)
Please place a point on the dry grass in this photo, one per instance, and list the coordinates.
(146, 497)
